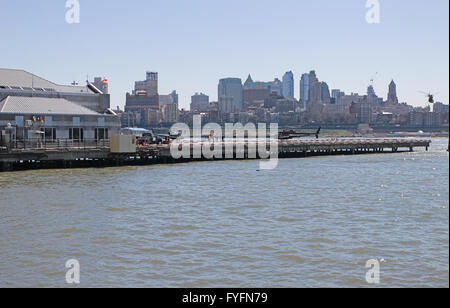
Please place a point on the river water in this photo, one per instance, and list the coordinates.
(312, 222)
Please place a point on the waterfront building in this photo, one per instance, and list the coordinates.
(231, 87)
(14, 82)
(288, 85)
(35, 108)
(54, 120)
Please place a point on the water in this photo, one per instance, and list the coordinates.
(312, 222)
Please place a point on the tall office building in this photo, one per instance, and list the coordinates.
(288, 85)
(231, 87)
(325, 96)
(304, 88)
(315, 89)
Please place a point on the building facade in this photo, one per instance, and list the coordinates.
(199, 102)
(232, 88)
(143, 104)
(392, 95)
(288, 85)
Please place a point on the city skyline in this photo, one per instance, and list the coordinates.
(410, 45)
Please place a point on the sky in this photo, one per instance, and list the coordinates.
(192, 44)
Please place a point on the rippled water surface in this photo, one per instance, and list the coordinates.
(312, 222)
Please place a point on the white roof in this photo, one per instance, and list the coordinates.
(12, 78)
(42, 106)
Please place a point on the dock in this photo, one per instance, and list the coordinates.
(84, 155)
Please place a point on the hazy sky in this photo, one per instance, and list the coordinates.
(192, 44)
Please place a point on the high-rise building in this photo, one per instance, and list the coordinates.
(392, 95)
(199, 102)
(325, 96)
(288, 85)
(315, 89)
(304, 88)
(231, 87)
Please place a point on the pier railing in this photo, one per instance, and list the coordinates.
(61, 144)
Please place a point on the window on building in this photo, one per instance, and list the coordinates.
(101, 134)
(76, 134)
(49, 133)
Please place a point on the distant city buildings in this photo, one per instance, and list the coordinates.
(273, 101)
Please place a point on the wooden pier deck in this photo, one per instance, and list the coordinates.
(100, 156)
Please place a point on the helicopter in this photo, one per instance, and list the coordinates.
(430, 96)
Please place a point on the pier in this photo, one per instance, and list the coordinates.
(92, 154)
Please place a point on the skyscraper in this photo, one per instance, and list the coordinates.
(392, 95)
(325, 96)
(288, 85)
(231, 87)
(304, 88)
(315, 89)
